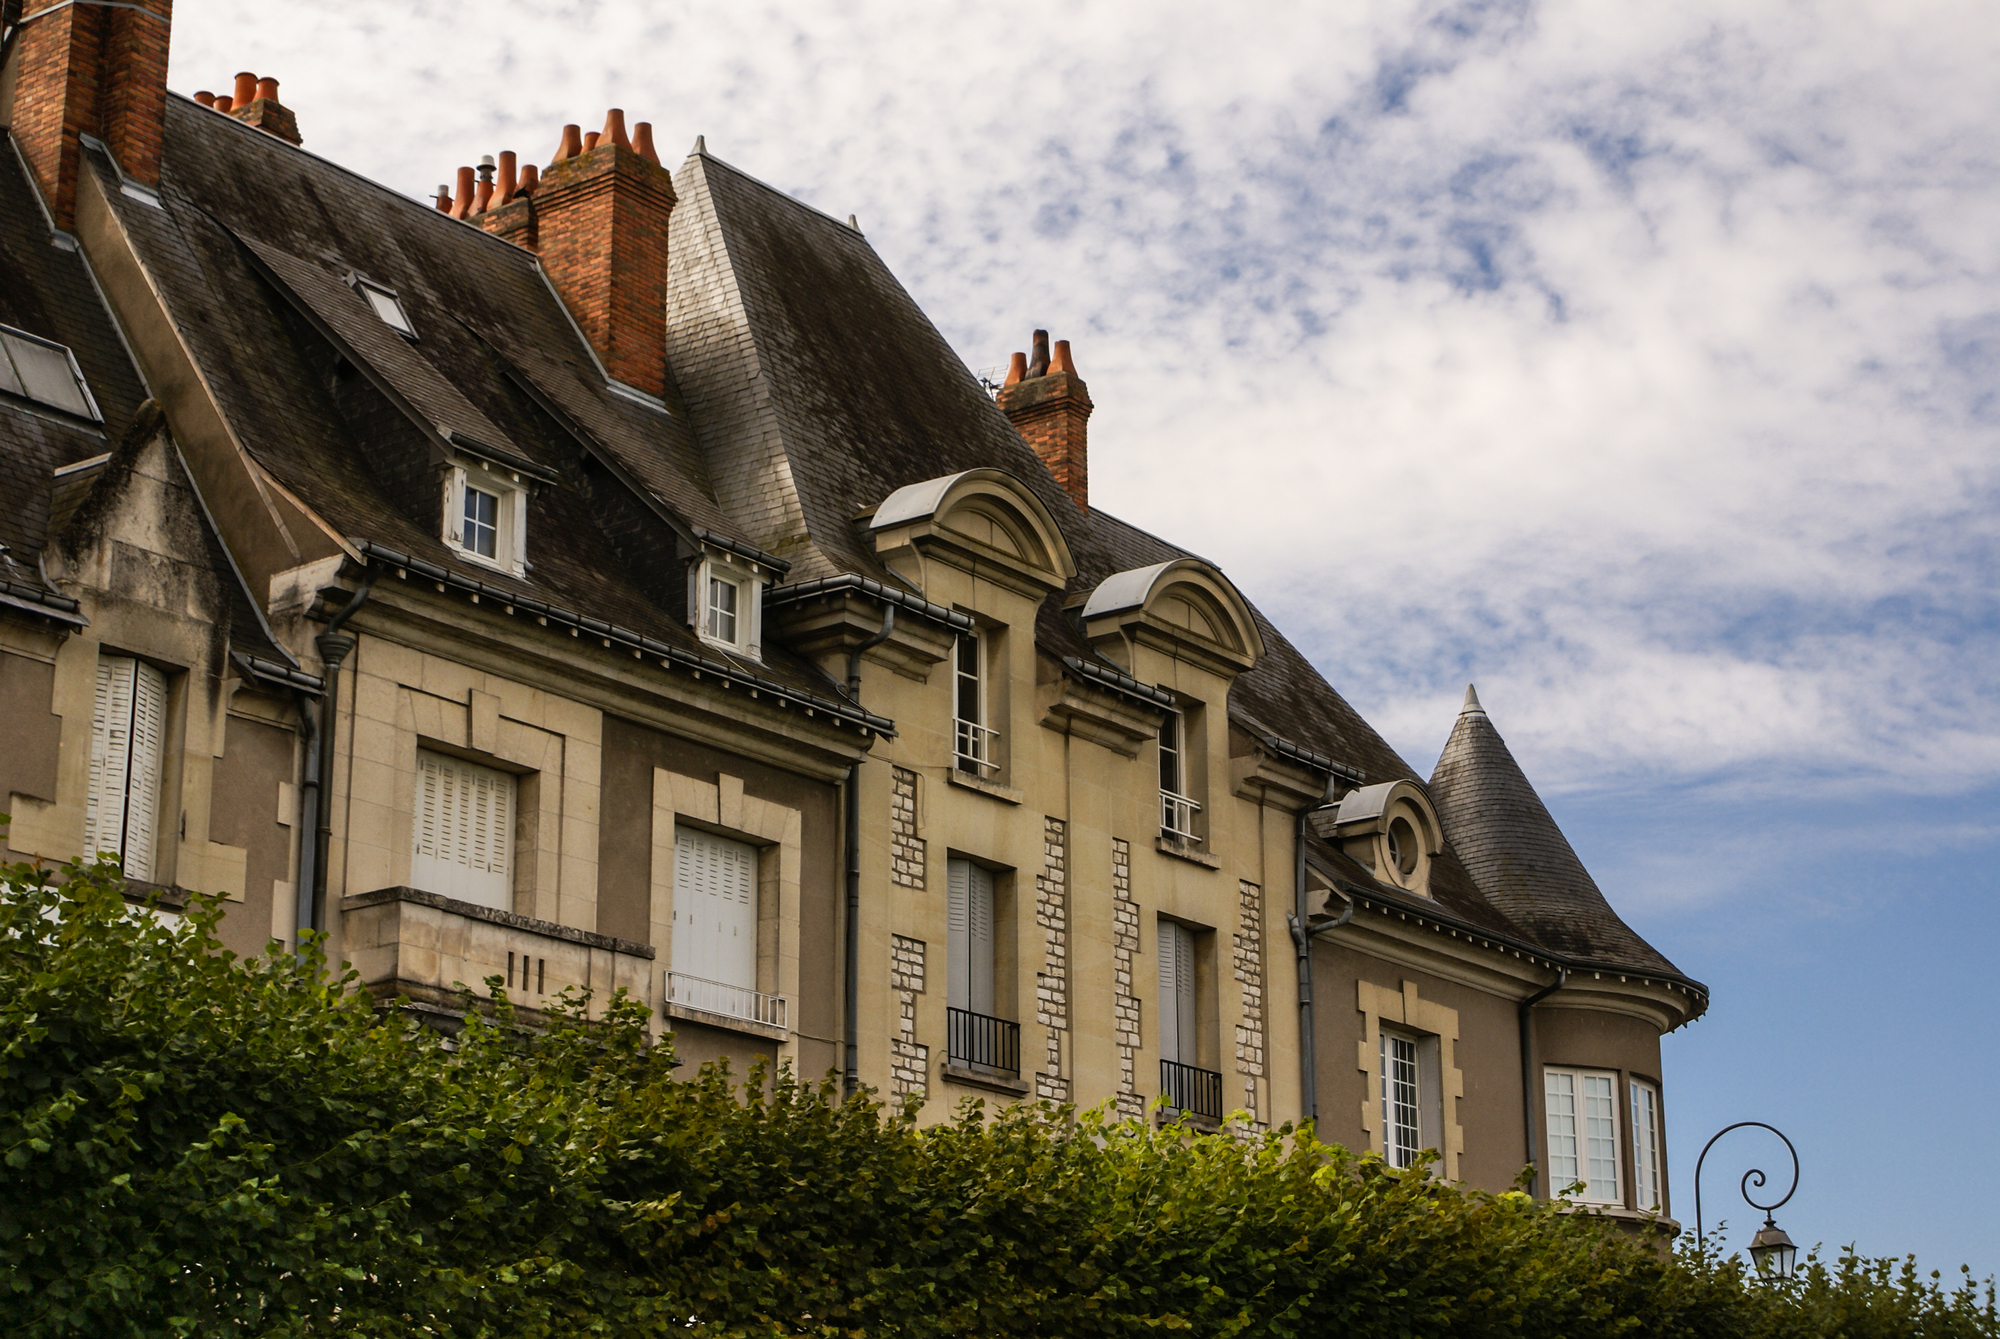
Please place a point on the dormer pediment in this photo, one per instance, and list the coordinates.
(1185, 607)
(982, 521)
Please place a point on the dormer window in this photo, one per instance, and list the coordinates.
(725, 602)
(387, 306)
(45, 372)
(486, 514)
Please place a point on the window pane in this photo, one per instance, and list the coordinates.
(722, 610)
(1600, 1114)
(1646, 1145)
(8, 381)
(1560, 1089)
(389, 309)
(46, 375)
(1400, 1139)
(968, 679)
(482, 522)
(1170, 753)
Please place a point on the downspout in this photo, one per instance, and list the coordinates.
(308, 818)
(851, 1011)
(334, 646)
(1302, 938)
(1528, 1069)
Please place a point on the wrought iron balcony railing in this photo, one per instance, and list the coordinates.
(979, 1042)
(1177, 817)
(1190, 1089)
(715, 997)
(975, 747)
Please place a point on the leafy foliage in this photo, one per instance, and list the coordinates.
(195, 1144)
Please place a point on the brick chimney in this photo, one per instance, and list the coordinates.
(90, 70)
(255, 103)
(1050, 406)
(597, 217)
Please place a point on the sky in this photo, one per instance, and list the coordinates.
(1638, 363)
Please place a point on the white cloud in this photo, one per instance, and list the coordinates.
(1639, 363)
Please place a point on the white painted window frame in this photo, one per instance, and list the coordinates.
(1566, 1097)
(749, 579)
(510, 548)
(14, 383)
(376, 296)
(1648, 1164)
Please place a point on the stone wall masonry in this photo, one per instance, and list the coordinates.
(906, 849)
(1249, 968)
(909, 1063)
(1124, 952)
(1052, 982)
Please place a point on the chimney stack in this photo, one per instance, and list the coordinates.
(255, 103)
(90, 70)
(1049, 405)
(597, 216)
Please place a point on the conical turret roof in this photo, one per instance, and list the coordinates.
(1519, 858)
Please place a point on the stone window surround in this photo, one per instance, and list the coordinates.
(1407, 1010)
(720, 806)
(750, 578)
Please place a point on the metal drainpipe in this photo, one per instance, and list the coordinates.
(851, 1013)
(334, 646)
(1302, 938)
(308, 818)
(1528, 1068)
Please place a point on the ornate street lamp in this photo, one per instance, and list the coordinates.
(1771, 1251)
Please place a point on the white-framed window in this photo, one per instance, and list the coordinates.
(1582, 1109)
(1401, 1113)
(462, 833)
(725, 603)
(386, 306)
(715, 909)
(1646, 1146)
(127, 741)
(44, 371)
(486, 515)
(1177, 807)
(973, 741)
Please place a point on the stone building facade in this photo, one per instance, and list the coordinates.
(605, 576)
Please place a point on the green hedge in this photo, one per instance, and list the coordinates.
(200, 1145)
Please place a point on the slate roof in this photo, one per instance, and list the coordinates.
(255, 247)
(816, 387)
(1519, 858)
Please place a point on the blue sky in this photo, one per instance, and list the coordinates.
(1638, 363)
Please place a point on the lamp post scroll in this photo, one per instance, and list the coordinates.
(1771, 1251)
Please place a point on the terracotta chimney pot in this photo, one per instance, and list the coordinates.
(642, 141)
(246, 89)
(267, 87)
(508, 185)
(614, 129)
(443, 201)
(1049, 405)
(1038, 365)
(1017, 368)
(225, 103)
(205, 98)
(571, 145)
(1061, 362)
(591, 139)
(530, 176)
(461, 201)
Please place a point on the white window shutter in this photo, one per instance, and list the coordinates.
(1178, 1035)
(149, 736)
(462, 834)
(979, 936)
(715, 908)
(958, 939)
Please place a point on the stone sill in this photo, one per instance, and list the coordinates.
(1632, 1219)
(972, 1078)
(1187, 851)
(473, 911)
(727, 1022)
(1006, 794)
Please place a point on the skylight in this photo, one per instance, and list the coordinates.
(387, 306)
(37, 369)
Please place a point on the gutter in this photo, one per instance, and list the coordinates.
(846, 581)
(851, 1005)
(1528, 1070)
(1103, 676)
(613, 635)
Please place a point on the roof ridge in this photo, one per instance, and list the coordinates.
(702, 153)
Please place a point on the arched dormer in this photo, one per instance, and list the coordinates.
(1185, 607)
(1393, 829)
(983, 521)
